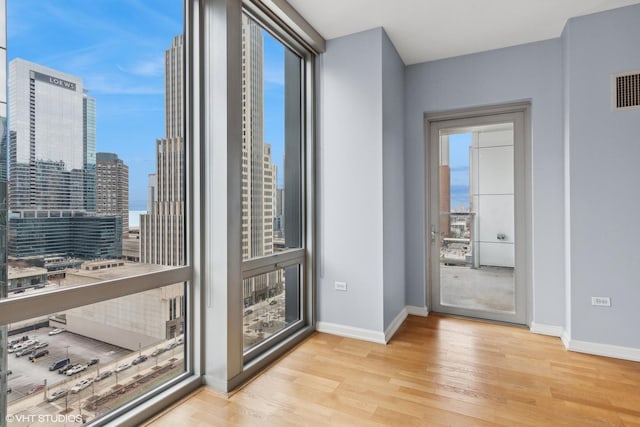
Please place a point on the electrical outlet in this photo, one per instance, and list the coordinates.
(340, 286)
(601, 301)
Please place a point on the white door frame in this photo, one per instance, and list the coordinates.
(519, 113)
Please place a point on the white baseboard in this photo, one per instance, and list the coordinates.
(368, 334)
(566, 339)
(607, 350)
(351, 332)
(395, 324)
(417, 311)
(551, 330)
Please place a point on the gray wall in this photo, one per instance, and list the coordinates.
(350, 220)
(604, 150)
(393, 179)
(526, 72)
(361, 220)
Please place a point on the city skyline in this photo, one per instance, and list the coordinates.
(120, 58)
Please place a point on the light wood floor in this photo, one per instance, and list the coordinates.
(436, 371)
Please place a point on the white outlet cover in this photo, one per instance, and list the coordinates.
(601, 301)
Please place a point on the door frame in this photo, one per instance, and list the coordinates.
(522, 210)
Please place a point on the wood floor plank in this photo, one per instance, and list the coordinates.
(436, 371)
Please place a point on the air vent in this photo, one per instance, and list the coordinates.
(626, 91)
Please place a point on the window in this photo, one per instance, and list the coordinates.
(274, 246)
(97, 252)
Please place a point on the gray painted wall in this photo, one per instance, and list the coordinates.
(526, 72)
(361, 221)
(604, 148)
(350, 220)
(393, 179)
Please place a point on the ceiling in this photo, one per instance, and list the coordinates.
(426, 30)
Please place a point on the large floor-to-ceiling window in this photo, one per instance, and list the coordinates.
(94, 306)
(273, 188)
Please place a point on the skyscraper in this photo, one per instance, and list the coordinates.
(162, 230)
(47, 153)
(52, 165)
(112, 185)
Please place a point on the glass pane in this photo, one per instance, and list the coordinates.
(96, 139)
(96, 171)
(87, 361)
(271, 144)
(477, 219)
(272, 302)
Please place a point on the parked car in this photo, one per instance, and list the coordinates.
(81, 385)
(36, 388)
(24, 351)
(56, 331)
(38, 354)
(38, 285)
(40, 345)
(102, 375)
(58, 364)
(121, 367)
(158, 351)
(64, 369)
(140, 359)
(21, 346)
(18, 341)
(171, 345)
(248, 312)
(93, 361)
(76, 369)
(57, 394)
(273, 302)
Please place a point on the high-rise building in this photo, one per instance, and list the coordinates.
(46, 109)
(174, 89)
(89, 151)
(162, 229)
(52, 164)
(259, 175)
(112, 184)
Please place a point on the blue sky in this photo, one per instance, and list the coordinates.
(459, 167)
(117, 48)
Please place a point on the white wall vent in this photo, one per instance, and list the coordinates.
(626, 91)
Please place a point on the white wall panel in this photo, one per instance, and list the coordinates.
(496, 254)
(495, 170)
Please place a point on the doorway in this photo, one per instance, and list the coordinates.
(476, 215)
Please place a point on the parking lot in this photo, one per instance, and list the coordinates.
(129, 376)
(27, 374)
